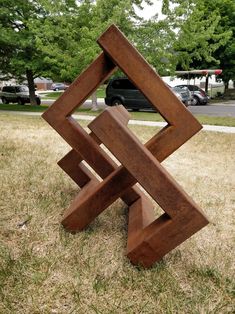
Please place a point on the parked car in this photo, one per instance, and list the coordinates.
(199, 96)
(59, 86)
(184, 92)
(16, 94)
(121, 91)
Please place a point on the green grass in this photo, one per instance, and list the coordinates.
(52, 95)
(219, 100)
(44, 269)
(100, 94)
(225, 121)
(147, 116)
(141, 115)
(26, 107)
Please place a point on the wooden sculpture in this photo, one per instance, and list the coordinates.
(149, 239)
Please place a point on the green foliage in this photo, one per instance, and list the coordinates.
(57, 39)
(205, 34)
(198, 39)
(154, 39)
(19, 55)
(18, 51)
(226, 53)
(68, 36)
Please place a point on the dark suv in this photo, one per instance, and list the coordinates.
(121, 91)
(16, 94)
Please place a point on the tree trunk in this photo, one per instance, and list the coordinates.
(32, 96)
(207, 83)
(94, 105)
(226, 86)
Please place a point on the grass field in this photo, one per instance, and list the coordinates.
(54, 95)
(44, 269)
(141, 115)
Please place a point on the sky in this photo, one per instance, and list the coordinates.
(150, 11)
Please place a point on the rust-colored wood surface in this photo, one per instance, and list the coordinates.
(149, 238)
(146, 169)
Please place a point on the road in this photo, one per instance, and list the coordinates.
(219, 110)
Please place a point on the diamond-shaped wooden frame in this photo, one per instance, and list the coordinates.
(148, 239)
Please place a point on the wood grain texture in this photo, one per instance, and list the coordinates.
(149, 239)
(86, 146)
(184, 216)
(181, 123)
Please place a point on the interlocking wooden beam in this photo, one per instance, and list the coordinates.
(59, 117)
(182, 215)
(148, 239)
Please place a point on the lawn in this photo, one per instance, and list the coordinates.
(142, 115)
(44, 269)
(54, 95)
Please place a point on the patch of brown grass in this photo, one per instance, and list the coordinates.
(44, 269)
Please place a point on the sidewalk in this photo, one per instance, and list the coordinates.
(211, 128)
(86, 104)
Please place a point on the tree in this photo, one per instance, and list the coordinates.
(68, 37)
(226, 53)
(57, 39)
(155, 40)
(19, 56)
(204, 34)
(65, 38)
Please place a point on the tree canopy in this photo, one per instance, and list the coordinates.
(69, 38)
(19, 56)
(57, 38)
(205, 34)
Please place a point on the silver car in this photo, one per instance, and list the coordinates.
(199, 96)
(185, 94)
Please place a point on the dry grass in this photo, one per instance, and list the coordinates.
(46, 270)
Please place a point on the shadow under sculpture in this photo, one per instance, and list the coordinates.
(149, 239)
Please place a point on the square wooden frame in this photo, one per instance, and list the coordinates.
(148, 239)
